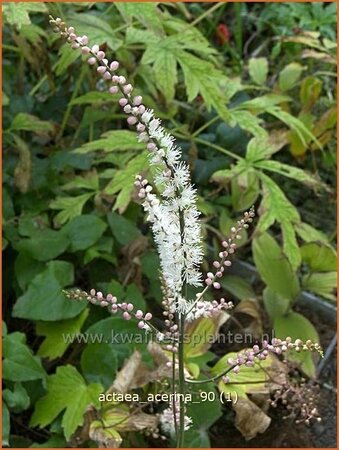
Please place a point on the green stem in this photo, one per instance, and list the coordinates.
(206, 125)
(217, 147)
(206, 13)
(181, 431)
(70, 106)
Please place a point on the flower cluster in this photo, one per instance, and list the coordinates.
(277, 346)
(174, 216)
(169, 417)
(111, 303)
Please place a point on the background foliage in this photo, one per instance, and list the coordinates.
(249, 92)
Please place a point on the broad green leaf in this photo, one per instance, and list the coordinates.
(275, 304)
(103, 373)
(116, 140)
(310, 90)
(226, 175)
(67, 392)
(44, 245)
(296, 326)
(258, 149)
(17, 399)
(258, 69)
(19, 362)
(319, 257)
(123, 229)
(274, 268)
(54, 345)
(71, 207)
(26, 268)
(55, 441)
(245, 191)
(136, 35)
(27, 122)
(289, 76)
(97, 29)
(44, 300)
(165, 72)
(134, 295)
(261, 104)
(84, 231)
(238, 287)
(322, 283)
(90, 182)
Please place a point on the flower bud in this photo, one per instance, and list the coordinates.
(128, 89)
(137, 100)
(100, 55)
(123, 102)
(114, 65)
(92, 61)
(85, 50)
(131, 120)
(148, 316)
(113, 90)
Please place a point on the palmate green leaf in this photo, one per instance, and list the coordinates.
(276, 207)
(258, 149)
(145, 13)
(98, 30)
(123, 181)
(71, 207)
(249, 122)
(16, 399)
(165, 72)
(68, 392)
(18, 13)
(28, 122)
(116, 140)
(274, 268)
(44, 300)
(54, 346)
(297, 326)
(259, 105)
(19, 362)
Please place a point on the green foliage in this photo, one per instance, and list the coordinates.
(66, 390)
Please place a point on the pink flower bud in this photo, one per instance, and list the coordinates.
(75, 45)
(115, 79)
(72, 36)
(95, 48)
(114, 65)
(140, 127)
(70, 30)
(131, 120)
(85, 50)
(219, 274)
(151, 146)
(100, 55)
(84, 40)
(236, 369)
(123, 102)
(139, 314)
(142, 109)
(122, 80)
(226, 379)
(109, 297)
(128, 88)
(107, 76)
(130, 307)
(137, 100)
(141, 324)
(113, 90)
(227, 263)
(101, 69)
(128, 109)
(126, 316)
(208, 281)
(148, 316)
(92, 61)
(216, 264)
(92, 292)
(216, 285)
(210, 275)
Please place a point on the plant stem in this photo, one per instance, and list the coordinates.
(217, 147)
(181, 430)
(205, 14)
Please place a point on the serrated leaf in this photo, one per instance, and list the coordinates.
(67, 56)
(249, 122)
(67, 392)
(17, 399)
(71, 207)
(18, 13)
(258, 69)
(145, 13)
(165, 73)
(54, 346)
